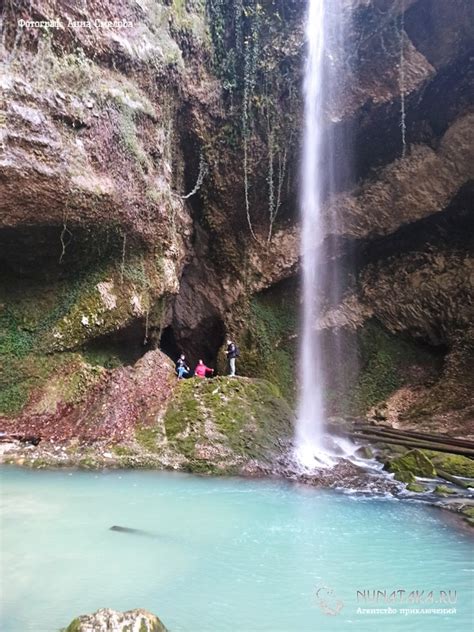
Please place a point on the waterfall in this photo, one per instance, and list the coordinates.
(313, 447)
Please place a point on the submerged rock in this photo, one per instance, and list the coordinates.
(107, 620)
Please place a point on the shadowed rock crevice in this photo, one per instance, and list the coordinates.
(120, 348)
(452, 228)
(48, 251)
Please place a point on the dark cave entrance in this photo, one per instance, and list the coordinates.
(202, 343)
(169, 344)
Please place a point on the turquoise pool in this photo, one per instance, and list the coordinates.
(225, 555)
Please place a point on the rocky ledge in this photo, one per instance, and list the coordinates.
(214, 426)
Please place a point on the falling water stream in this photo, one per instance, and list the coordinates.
(313, 446)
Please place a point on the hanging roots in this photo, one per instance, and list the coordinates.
(401, 82)
(203, 171)
(122, 264)
(65, 238)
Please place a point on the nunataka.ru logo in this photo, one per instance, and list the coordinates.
(328, 601)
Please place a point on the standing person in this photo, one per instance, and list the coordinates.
(202, 370)
(182, 369)
(232, 353)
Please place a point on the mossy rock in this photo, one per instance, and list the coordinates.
(413, 462)
(416, 488)
(267, 342)
(405, 477)
(452, 463)
(384, 360)
(468, 512)
(365, 452)
(220, 424)
(443, 490)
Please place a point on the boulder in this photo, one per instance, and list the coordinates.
(107, 620)
(453, 464)
(443, 490)
(416, 488)
(413, 463)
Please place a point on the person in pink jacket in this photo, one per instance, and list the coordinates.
(202, 370)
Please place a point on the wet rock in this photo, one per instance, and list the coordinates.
(107, 620)
(443, 490)
(365, 452)
(468, 513)
(110, 407)
(223, 425)
(412, 463)
(405, 476)
(416, 488)
(453, 464)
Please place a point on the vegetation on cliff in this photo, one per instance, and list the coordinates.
(150, 184)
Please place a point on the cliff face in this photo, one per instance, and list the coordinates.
(105, 255)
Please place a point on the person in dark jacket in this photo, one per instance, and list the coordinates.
(182, 369)
(232, 353)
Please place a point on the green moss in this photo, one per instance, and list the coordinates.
(416, 488)
(442, 490)
(102, 357)
(183, 410)
(122, 450)
(13, 398)
(267, 344)
(249, 417)
(15, 340)
(413, 462)
(74, 626)
(39, 317)
(383, 363)
(147, 437)
(453, 464)
(129, 137)
(405, 477)
(19, 376)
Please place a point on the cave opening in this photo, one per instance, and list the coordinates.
(119, 348)
(169, 344)
(201, 343)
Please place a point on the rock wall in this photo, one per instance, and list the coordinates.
(149, 196)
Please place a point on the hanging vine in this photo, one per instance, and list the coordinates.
(249, 47)
(401, 81)
(203, 171)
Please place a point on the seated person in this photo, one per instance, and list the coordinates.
(202, 370)
(181, 368)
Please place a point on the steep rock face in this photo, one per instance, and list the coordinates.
(92, 174)
(395, 185)
(91, 403)
(106, 130)
(219, 426)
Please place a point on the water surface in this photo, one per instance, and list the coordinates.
(221, 554)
